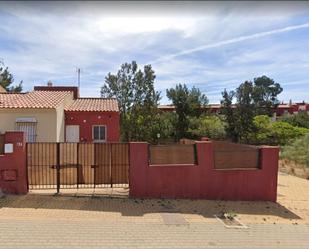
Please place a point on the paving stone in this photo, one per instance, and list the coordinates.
(173, 219)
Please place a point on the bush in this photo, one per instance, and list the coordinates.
(274, 133)
(282, 132)
(300, 119)
(262, 132)
(207, 126)
(166, 126)
(297, 151)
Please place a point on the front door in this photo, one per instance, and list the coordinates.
(72, 133)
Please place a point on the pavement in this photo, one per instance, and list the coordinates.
(109, 219)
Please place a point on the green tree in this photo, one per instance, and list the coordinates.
(265, 92)
(187, 103)
(239, 117)
(251, 99)
(7, 79)
(137, 98)
(245, 111)
(229, 113)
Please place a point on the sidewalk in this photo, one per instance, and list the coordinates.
(37, 234)
(74, 220)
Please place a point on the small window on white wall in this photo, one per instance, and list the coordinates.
(99, 133)
(28, 126)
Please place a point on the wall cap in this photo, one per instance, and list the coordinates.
(268, 146)
(203, 142)
(18, 132)
(173, 165)
(239, 169)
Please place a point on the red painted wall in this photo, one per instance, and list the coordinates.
(13, 171)
(296, 107)
(202, 180)
(87, 119)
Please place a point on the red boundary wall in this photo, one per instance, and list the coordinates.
(13, 170)
(203, 180)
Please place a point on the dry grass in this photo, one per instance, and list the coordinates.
(292, 168)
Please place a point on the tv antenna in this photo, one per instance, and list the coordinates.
(78, 70)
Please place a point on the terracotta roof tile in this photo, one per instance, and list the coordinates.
(94, 104)
(34, 99)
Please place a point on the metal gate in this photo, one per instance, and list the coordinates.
(77, 165)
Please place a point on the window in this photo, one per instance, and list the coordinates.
(28, 126)
(99, 133)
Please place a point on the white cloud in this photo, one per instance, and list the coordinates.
(50, 40)
(230, 41)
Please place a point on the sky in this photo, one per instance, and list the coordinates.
(209, 45)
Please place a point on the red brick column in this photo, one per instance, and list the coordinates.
(138, 169)
(269, 165)
(13, 171)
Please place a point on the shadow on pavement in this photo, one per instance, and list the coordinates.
(140, 207)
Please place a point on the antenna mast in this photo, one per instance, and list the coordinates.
(78, 77)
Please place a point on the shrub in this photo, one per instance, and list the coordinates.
(207, 126)
(297, 151)
(165, 125)
(300, 119)
(262, 132)
(282, 132)
(274, 133)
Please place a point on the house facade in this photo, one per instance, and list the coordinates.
(86, 121)
(58, 114)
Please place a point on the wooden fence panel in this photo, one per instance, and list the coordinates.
(80, 164)
(120, 163)
(41, 162)
(235, 156)
(68, 163)
(173, 154)
(102, 154)
(86, 161)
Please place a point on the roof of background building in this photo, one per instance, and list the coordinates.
(218, 106)
(94, 105)
(284, 106)
(172, 107)
(166, 107)
(34, 99)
